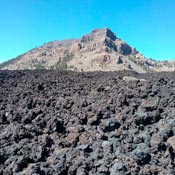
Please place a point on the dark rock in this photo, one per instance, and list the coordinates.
(118, 168)
(55, 125)
(151, 104)
(142, 154)
(54, 122)
(119, 60)
(40, 87)
(21, 163)
(3, 118)
(109, 43)
(124, 48)
(109, 125)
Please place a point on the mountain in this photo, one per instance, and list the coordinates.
(101, 50)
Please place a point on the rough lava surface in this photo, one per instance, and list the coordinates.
(98, 123)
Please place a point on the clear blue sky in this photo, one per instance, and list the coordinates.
(148, 25)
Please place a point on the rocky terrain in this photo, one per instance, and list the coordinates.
(101, 50)
(98, 123)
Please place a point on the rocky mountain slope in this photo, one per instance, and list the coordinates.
(98, 123)
(99, 50)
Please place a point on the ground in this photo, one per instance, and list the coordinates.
(105, 123)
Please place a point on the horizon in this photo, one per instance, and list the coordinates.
(147, 25)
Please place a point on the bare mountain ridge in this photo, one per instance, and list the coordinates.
(101, 50)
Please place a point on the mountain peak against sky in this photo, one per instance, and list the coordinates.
(99, 50)
(100, 33)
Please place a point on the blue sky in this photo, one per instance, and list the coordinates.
(148, 25)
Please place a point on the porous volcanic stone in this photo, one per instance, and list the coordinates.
(98, 123)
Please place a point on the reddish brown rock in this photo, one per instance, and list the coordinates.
(171, 141)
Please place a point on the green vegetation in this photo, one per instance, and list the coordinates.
(73, 68)
(35, 64)
(12, 61)
(62, 65)
(142, 65)
(39, 65)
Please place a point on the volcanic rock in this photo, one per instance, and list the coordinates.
(69, 123)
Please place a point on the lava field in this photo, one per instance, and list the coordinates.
(93, 123)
